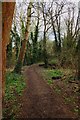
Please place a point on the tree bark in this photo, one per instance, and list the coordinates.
(55, 35)
(20, 60)
(44, 39)
(59, 34)
(7, 16)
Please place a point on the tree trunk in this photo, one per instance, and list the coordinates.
(44, 40)
(35, 43)
(19, 64)
(45, 51)
(78, 58)
(54, 31)
(59, 35)
(7, 16)
(0, 61)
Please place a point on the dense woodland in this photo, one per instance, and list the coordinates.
(45, 34)
(42, 32)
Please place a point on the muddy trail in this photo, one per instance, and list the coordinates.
(39, 100)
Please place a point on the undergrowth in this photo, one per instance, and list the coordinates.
(14, 86)
(53, 73)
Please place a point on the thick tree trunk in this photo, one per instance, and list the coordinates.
(0, 61)
(7, 16)
(18, 66)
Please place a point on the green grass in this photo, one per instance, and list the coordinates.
(57, 89)
(14, 84)
(53, 73)
(48, 74)
(76, 110)
(53, 61)
(69, 100)
(50, 82)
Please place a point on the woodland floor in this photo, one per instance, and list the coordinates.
(39, 100)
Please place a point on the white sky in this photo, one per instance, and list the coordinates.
(74, 1)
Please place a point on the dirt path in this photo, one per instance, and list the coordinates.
(39, 100)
